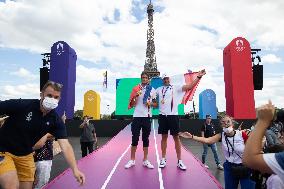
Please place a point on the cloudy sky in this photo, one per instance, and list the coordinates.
(111, 35)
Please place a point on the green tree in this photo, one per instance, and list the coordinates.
(105, 117)
(78, 114)
(112, 115)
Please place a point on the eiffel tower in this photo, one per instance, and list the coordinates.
(150, 63)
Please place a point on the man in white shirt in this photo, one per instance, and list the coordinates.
(142, 119)
(169, 98)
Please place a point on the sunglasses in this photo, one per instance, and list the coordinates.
(58, 85)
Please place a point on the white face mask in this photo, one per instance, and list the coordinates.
(49, 103)
(228, 129)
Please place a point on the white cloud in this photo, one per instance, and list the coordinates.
(270, 59)
(89, 75)
(107, 98)
(25, 74)
(92, 79)
(29, 90)
(188, 35)
(273, 90)
(93, 75)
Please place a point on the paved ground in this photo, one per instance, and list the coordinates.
(60, 165)
(197, 149)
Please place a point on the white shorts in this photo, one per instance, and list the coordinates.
(42, 175)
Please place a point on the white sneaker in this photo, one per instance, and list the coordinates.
(206, 166)
(147, 164)
(131, 163)
(181, 165)
(163, 163)
(220, 167)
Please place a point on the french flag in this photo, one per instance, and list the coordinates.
(176, 80)
(183, 79)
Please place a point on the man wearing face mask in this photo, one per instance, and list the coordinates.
(28, 122)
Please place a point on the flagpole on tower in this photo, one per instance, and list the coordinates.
(105, 79)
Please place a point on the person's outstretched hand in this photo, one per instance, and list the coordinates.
(80, 177)
(201, 73)
(185, 134)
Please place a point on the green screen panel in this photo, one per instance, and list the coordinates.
(123, 90)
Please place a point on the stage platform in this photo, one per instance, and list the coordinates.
(104, 168)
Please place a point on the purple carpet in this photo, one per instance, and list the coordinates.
(104, 168)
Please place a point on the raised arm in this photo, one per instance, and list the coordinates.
(192, 84)
(82, 125)
(253, 157)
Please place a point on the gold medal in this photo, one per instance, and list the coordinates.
(163, 101)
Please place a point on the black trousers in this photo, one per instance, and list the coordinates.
(139, 123)
(87, 146)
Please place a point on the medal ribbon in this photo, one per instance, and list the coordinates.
(164, 93)
(142, 88)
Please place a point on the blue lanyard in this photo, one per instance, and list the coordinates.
(164, 93)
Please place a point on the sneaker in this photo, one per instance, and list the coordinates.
(147, 164)
(206, 166)
(163, 163)
(131, 163)
(220, 167)
(181, 165)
